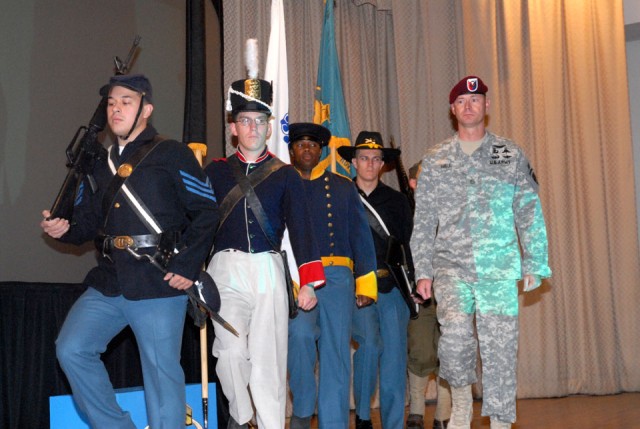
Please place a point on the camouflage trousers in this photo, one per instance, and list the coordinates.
(494, 306)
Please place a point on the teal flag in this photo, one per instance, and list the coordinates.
(329, 107)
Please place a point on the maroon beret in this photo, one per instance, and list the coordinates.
(468, 85)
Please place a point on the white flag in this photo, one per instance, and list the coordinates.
(276, 72)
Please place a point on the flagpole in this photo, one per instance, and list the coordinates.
(276, 72)
(194, 134)
(333, 158)
(329, 106)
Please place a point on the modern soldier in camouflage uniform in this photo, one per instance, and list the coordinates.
(477, 200)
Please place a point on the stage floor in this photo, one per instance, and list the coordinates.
(573, 412)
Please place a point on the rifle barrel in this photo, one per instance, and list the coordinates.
(122, 67)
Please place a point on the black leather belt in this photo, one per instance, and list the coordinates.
(121, 242)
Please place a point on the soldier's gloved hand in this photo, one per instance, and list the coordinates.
(307, 298)
(531, 282)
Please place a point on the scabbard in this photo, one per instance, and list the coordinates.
(293, 305)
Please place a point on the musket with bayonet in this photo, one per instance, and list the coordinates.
(85, 150)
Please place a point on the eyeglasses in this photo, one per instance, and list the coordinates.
(246, 122)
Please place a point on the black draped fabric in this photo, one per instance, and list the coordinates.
(31, 315)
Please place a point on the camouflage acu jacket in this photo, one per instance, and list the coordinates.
(471, 212)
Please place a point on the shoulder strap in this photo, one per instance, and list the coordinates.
(117, 183)
(253, 200)
(375, 221)
(246, 184)
(254, 179)
(396, 252)
(398, 267)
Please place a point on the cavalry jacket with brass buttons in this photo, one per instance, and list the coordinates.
(175, 190)
(282, 198)
(341, 227)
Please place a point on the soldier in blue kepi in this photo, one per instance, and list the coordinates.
(259, 195)
(381, 330)
(477, 207)
(345, 243)
(152, 198)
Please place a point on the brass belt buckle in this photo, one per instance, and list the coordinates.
(122, 242)
(382, 273)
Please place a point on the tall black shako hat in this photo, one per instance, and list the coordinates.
(252, 94)
(135, 82)
(468, 85)
(368, 140)
(311, 131)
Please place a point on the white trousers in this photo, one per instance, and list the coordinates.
(253, 366)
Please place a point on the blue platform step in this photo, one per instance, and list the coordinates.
(65, 415)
